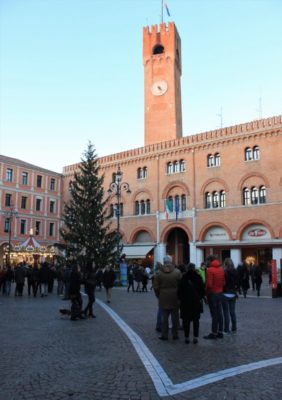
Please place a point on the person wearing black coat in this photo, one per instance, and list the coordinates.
(74, 293)
(191, 293)
(109, 278)
(89, 287)
(230, 295)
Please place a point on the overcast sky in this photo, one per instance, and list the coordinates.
(71, 71)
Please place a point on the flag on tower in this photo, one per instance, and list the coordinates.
(167, 10)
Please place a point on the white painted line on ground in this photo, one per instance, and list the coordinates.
(161, 380)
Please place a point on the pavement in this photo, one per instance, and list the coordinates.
(118, 356)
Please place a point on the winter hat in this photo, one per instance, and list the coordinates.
(167, 259)
(215, 263)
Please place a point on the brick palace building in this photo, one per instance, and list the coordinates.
(217, 192)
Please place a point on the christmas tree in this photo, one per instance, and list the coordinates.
(86, 230)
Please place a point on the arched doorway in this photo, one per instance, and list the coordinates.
(178, 246)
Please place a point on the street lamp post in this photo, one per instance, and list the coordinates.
(115, 188)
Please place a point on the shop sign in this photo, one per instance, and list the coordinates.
(257, 232)
(216, 234)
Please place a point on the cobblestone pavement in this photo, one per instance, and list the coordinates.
(47, 356)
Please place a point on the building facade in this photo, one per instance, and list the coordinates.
(217, 192)
(30, 207)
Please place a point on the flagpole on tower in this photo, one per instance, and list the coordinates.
(162, 11)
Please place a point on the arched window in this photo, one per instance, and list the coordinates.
(177, 203)
(118, 209)
(145, 172)
(256, 153)
(208, 200)
(222, 198)
(246, 197)
(175, 167)
(248, 154)
(181, 165)
(254, 195)
(215, 200)
(148, 206)
(158, 49)
(183, 202)
(136, 211)
(217, 160)
(139, 173)
(114, 176)
(262, 194)
(111, 211)
(169, 168)
(210, 160)
(142, 206)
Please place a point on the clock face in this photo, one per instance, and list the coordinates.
(159, 88)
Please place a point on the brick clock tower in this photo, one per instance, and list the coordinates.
(162, 72)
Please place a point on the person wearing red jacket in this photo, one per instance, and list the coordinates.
(215, 282)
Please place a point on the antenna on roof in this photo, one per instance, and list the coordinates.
(221, 118)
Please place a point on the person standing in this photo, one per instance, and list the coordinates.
(8, 280)
(214, 287)
(229, 296)
(191, 293)
(74, 293)
(89, 286)
(245, 279)
(19, 279)
(258, 278)
(202, 271)
(130, 278)
(165, 285)
(109, 278)
(35, 279)
(44, 274)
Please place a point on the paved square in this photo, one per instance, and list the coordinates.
(47, 356)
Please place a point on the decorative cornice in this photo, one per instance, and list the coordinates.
(205, 140)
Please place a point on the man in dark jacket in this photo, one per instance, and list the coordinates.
(109, 278)
(165, 285)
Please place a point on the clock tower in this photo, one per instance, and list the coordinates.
(162, 72)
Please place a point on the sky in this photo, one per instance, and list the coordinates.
(71, 71)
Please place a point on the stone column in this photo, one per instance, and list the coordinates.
(236, 256)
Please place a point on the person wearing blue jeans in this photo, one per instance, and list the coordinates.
(229, 295)
(228, 306)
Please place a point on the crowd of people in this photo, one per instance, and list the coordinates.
(181, 290)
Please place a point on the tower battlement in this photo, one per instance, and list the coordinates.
(162, 34)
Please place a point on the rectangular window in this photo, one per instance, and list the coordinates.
(23, 226)
(8, 200)
(37, 227)
(52, 206)
(9, 175)
(24, 178)
(51, 229)
(52, 184)
(39, 181)
(24, 202)
(38, 204)
(6, 225)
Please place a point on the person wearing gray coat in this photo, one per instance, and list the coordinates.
(165, 285)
